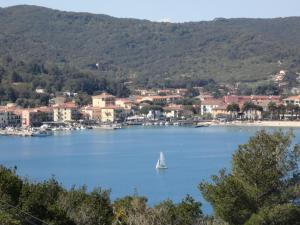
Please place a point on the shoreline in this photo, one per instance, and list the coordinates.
(291, 124)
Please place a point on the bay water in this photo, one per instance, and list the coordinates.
(124, 160)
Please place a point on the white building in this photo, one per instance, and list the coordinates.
(207, 106)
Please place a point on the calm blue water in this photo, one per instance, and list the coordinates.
(124, 160)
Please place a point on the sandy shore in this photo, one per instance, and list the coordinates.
(264, 124)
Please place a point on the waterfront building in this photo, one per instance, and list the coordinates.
(107, 114)
(220, 111)
(252, 114)
(103, 114)
(208, 105)
(36, 116)
(91, 113)
(173, 111)
(68, 111)
(9, 118)
(261, 100)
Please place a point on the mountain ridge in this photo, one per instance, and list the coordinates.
(238, 49)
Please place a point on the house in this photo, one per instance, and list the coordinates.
(66, 112)
(279, 76)
(208, 105)
(220, 111)
(70, 94)
(57, 100)
(104, 100)
(181, 91)
(91, 113)
(144, 92)
(173, 111)
(36, 116)
(108, 114)
(9, 119)
(294, 100)
(252, 115)
(10, 116)
(103, 114)
(40, 91)
(260, 100)
(158, 100)
(106, 107)
(125, 103)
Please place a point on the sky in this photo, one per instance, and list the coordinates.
(173, 10)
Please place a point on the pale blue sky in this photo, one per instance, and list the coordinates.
(173, 10)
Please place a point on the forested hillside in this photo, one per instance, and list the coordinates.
(148, 52)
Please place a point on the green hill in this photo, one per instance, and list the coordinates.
(151, 52)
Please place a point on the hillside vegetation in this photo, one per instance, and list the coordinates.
(151, 53)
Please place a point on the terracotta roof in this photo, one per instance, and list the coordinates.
(156, 97)
(67, 105)
(125, 100)
(293, 98)
(212, 102)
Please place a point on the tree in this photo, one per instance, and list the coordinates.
(87, 208)
(192, 92)
(127, 209)
(272, 107)
(188, 211)
(233, 108)
(251, 109)
(7, 219)
(10, 186)
(297, 111)
(277, 215)
(290, 109)
(281, 111)
(264, 174)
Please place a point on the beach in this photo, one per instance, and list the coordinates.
(281, 123)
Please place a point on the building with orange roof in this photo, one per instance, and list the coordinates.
(103, 100)
(173, 111)
(9, 116)
(68, 111)
(157, 99)
(220, 110)
(125, 103)
(294, 100)
(36, 116)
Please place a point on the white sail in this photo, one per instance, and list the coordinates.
(161, 162)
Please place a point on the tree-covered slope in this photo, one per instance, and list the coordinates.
(150, 52)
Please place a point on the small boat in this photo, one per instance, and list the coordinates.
(161, 163)
(41, 133)
(202, 125)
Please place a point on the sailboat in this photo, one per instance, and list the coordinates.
(161, 163)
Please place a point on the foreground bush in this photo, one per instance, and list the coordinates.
(264, 178)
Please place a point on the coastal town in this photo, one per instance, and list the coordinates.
(146, 107)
